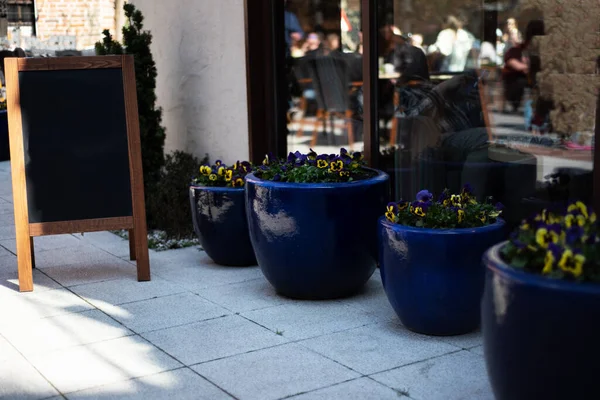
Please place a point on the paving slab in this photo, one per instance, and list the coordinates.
(274, 373)
(457, 376)
(18, 379)
(195, 271)
(374, 348)
(244, 296)
(43, 243)
(179, 384)
(358, 389)
(125, 290)
(213, 339)
(87, 271)
(305, 319)
(9, 281)
(84, 367)
(55, 333)
(165, 312)
(34, 305)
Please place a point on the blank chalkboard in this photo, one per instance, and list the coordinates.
(75, 152)
(76, 147)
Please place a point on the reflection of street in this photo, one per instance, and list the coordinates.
(507, 130)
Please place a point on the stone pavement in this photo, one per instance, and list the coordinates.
(89, 330)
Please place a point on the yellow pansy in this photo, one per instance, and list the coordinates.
(572, 263)
(461, 216)
(548, 262)
(212, 177)
(228, 175)
(322, 164)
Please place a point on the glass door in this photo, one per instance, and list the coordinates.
(324, 75)
(501, 95)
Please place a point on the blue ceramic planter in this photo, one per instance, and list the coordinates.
(219, 216)
(433, 277)
(541, 336)
(316, 241)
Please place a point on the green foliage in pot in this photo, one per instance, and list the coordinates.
(450, 211)
(314, 168)
(560, 244)
(222, 175)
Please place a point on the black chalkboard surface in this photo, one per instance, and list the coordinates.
(75, 152)
(75, 143)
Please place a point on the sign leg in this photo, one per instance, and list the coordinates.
(142, 257)
(32, 252)
(24, 261)
(132, 244)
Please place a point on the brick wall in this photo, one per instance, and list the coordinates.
(85, 19)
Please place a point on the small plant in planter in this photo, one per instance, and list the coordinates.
(219, 213)
(541, 307)
(313, 222)
(430, 254)
(313, 168)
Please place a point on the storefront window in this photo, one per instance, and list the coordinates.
(324, 75)
(494, 94)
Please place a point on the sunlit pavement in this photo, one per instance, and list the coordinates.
(201, 331)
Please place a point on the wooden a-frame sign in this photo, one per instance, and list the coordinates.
(75, 152)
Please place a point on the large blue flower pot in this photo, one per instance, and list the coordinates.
(541, 336)
(219, 217)
(316, 241)
(434, 277)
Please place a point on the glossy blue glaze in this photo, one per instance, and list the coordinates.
(219, 216)
(541, 336)
(434, 277)
(316, 241)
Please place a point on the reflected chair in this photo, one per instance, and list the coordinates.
(332, 90)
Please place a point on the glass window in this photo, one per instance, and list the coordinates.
(500, 95)
(324, 75)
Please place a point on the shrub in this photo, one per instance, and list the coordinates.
(450, 211)
(170, 203)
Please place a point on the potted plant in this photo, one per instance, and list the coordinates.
(541, 308)
(430, 259)
(219, 214)
(313, 222)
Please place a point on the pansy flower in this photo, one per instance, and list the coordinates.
(212, 177)
(460, 214)
(322, 163)
(238, 182)
(205, 170)
(228, 175)
(572, 262)
(546, 235)
(552, 255)
(578, 207)
(424, 196)
(344, 174)
(391, 213)
(455, 200)
(402, 205)
(336, 165)
(218, 163)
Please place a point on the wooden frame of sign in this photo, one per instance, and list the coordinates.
(25, 229)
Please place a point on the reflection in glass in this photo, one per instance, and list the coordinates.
(463, 98)
(324, 71)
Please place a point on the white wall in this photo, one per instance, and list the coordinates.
(199, 49)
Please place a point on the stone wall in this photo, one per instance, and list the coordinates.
(84, 19)
(569, 54)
